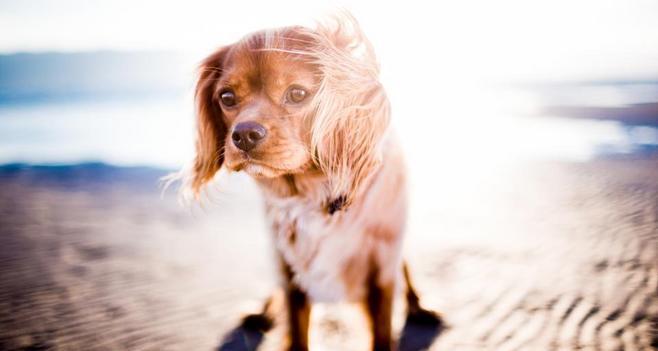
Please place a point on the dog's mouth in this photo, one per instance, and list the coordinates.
(255, 167)
(259, 164)
(261, 169)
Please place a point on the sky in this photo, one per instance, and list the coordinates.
(439, 61)
(499, 40)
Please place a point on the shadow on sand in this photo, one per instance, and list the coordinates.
(418, 334)
(248, 335)
(420, 330)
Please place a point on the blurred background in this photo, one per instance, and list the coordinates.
(534, 205)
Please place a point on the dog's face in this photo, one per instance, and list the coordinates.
(288, 101)
(264, 95)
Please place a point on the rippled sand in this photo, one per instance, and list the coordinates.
(543, 256)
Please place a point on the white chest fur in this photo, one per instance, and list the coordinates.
(331, 256)
(319, 248)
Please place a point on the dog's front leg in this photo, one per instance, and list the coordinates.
(379, 306)
(299, 312)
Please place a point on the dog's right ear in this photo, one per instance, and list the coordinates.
(211, 128)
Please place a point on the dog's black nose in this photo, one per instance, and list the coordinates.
(247, 135)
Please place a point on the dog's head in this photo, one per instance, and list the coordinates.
(289, 101)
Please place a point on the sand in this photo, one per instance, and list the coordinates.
(538, 256)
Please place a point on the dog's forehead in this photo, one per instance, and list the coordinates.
(273, 58)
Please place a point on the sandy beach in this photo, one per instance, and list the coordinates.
(538, 256)
(529, 133)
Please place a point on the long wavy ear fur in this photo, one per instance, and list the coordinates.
(352, 110)
(211, 129)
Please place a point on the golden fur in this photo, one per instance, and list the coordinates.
(350, 111)
(332, 174)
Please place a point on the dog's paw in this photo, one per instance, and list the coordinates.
(257, 322)
(424, 317)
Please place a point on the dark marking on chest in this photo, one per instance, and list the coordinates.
(292, 186)
(292, 234)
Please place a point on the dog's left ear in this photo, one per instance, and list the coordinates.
(352, 111)
(211, 128)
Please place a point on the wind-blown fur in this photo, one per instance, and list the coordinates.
(352, 110)
(332, 174)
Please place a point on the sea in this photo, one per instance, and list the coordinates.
(137, 108)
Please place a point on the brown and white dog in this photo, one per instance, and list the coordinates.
(302, 111)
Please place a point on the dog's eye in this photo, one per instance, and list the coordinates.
(228, 98)
(296, 95)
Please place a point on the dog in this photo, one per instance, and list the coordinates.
(303, 112)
